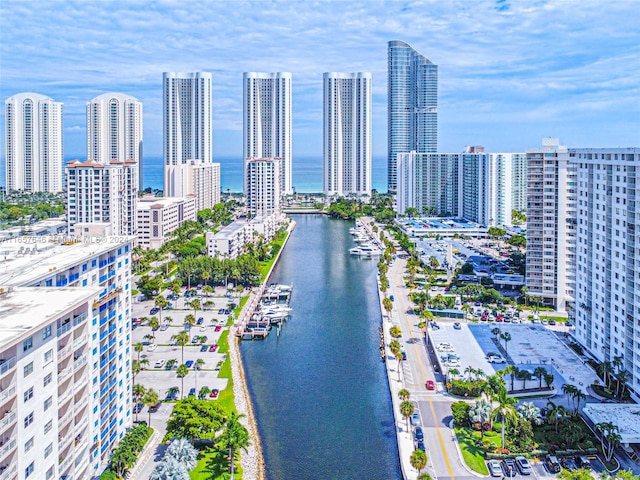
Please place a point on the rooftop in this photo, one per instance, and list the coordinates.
(148, 202)
(625, 416)
(25, 308)
(26, 259)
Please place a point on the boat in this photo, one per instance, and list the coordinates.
(365, 251)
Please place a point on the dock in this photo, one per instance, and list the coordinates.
(257, 324)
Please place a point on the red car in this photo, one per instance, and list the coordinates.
(218, 328)
(214, 393)
(213, 347)
(431, 385)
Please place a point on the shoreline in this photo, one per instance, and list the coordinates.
(252, 461)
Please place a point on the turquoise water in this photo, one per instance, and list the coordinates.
(319, 390)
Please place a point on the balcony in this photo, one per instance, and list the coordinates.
(110, 296)
(64, 329)
(64, 441)
(80, 340)
(8, 472)
(79, 363)
(79, 319)
(7, 447)
(7, 392)
(8, 419)
(65, 462)
(64, 351)
(80, 404)
(6, 366)
(64, 374)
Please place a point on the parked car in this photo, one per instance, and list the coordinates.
(457, 326)
(152, 347)
(137, 408)
(523, 465)
(189, 363)
(420, 446)
(154, 408)
(154, 310)
(218, 328)
(200, 321)
(204, 348)
(583, 462)
(221, 311)
(214, 393)
(552, 322)
(552, 463)
(494, 468)
(509, 467)
(213, 347)
(203, 339)
(419, 434)
(164, 327)
(415, 419)
(160, 363)
(569, 463)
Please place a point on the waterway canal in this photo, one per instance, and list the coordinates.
(319, 390)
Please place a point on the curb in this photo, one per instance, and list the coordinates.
(464, 464)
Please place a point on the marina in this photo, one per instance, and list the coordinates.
(367, 245)
(269, 308)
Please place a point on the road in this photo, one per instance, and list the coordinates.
(435, 408)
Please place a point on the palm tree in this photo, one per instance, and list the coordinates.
(168, 320)
(492, 386)
(154, 324)
(150, 398)
(406, 410)
(181, 338)
(524, 376)
(506, 336)
(144, 363)
(387, 304)
(622, 377)
(605, 369)
(161, 302)
(398, 355)
(548, 379)
(171, 363)
(418, 460)
(138, 348)
(403, 394)
(609, 438)
(138, 391)
(570, 391)
(454, 372)
(496, 331)
(540, 372)
(480, 413)
(234, 437)
(196, 305)
(190, 320)
(135, 369)
(182, 450)
(578, 397)
(554, 412)
(182, 372)
(505, 409)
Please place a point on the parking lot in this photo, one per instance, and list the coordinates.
(160, 350)
(540, 470)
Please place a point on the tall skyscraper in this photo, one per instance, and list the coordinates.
(347, 134)
(188, 123)
(267, 120)
(551, 225)
(114, 130)
(262, 186)
(607, 291)
(412, 105)
(102, 193)
(33, 143)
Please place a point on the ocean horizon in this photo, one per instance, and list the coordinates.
(307, 173)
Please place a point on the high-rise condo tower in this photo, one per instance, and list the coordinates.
(267, 120)
(412, 105)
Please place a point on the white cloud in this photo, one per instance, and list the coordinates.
(500, 63)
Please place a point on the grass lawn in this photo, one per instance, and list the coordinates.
(212, 467)
(226, 398)
(473, 455)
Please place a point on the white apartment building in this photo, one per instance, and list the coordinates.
(44, 382)
(231, 241)
(157, 217)
(66, 350)
(201, 179)
(478, 186)
(347, 134)
(429, 182)
(607, 306)
(114, 130)
(33, 143)
(103, 193)
(551, 225)
(267, 120)
(188, 121)
(262, 186)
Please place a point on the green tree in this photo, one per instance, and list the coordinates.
(135, 369)
(580, 474)
(406, 410)
(387, 304)
(138, 348)
(403, 394)
(609, 438)
(505, 409)
(234, 437)
(138, 391)
(181, 338)
(418, 460)
(195, 420)
(506, 336)
(540, 372)
(161, 302)
(460, 413)
(150, 398)
(182, 372)
(555, 413)
(480, 414)
(190, 320)
(154, 324)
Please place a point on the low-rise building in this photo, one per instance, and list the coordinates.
(231, 240)
(157, 217)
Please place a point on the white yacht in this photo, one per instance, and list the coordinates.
(365, 250)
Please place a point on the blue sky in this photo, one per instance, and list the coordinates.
(510, 72)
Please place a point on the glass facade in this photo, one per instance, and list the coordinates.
(413, 105)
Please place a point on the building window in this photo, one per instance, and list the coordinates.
(50, 473)
(47, 380)
(47, 403)
(46, 332)
(29, 470)
(28, 395)
(27, 344)
(48, 450)
(48, 427)
(48, 357)
(28, 445)
(28, 369)
(28, 420)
